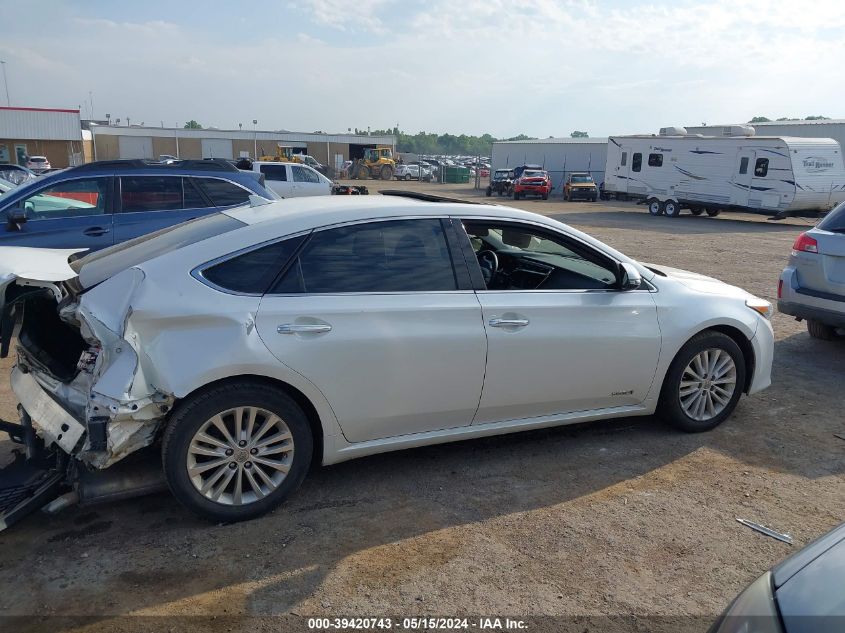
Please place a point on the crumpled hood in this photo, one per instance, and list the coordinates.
(700, 283)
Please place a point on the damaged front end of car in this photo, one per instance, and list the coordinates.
(85, 403)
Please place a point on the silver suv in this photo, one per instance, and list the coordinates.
(812, 286)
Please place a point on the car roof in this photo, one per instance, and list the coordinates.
(325, 210)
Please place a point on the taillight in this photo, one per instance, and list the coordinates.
(780, 288)
(806, 244)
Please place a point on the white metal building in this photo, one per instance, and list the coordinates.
(559, 156)
(832, 128)
(112, 142)
(54, 133)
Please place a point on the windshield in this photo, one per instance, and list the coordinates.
(582, 178)
(100, 265)
(533, 174)
(835, 220)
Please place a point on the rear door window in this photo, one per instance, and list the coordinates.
(274, 172)
(375, 257)
(655, 160)
(150, 193)
(743, 165)
(224, 193)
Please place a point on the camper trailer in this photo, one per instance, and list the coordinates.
(736, 171)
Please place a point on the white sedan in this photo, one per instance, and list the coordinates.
(249, 343)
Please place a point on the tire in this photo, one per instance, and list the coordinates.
(545, 196)
(386, 172)
(197, 413)
(363, 173)
(713, 212)
(655, 207)
(516, 195)
(593, 199)
(819, 330)
(407, 176)
(671, 208)
(686, 415)
(489, 192)
(696, 210)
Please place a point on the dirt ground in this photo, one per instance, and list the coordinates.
(611, 518)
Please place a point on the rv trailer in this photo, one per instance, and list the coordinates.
(674, 170)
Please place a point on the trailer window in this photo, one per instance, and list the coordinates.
(655, 160)
(761, 167)
(636, 162)
(743, 165)
(624, 159)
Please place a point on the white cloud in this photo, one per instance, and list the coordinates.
(504, 66)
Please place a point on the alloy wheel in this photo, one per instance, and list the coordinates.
(240, 455)
(707, 384)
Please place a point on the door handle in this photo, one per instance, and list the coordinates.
(303, 328)
(95, 231)
(496, 322)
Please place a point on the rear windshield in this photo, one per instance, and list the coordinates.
(100, 265)
(835, 220)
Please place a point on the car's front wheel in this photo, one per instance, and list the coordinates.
(704, 383)
(236, 451)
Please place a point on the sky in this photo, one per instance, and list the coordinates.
(504, 67)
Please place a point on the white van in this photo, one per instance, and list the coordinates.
(292, 180)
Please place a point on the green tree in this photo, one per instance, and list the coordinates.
(817, 117)
(579, 134)
(760, 119)
(192, 125)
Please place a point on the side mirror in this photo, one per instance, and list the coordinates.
(631, 278)
(14, 218)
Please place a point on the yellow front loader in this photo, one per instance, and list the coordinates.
(377, 163)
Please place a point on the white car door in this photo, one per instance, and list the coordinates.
(561, 336)
(308, 182)
(375, 316)
(278, 178)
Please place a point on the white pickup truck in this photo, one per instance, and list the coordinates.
(293, 180)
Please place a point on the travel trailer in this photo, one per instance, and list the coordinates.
(674, 170)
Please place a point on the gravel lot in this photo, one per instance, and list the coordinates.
(625, 517)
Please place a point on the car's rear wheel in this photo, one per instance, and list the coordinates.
(489, 191)
(407, 176)
(696, 210)
(655, 207)
(236, 451)
(713, 212)
(820, 330)
(704, 383)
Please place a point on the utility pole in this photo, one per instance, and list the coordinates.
(6, 84)
(254, 139)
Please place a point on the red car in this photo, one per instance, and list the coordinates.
(532, 183)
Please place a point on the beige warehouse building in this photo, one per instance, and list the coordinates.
(51, 132)
(114, 142)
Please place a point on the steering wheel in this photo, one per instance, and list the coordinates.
(489, 262)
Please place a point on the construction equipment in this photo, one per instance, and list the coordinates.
(376, 163)
(284, 154)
